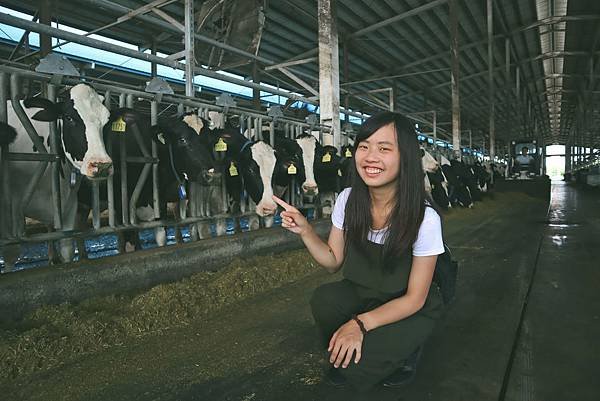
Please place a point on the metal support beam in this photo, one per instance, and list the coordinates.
(256, 80)
(46, 19)
(398, 17)
(329, 76)
(455, 78)
(190, 59)
(291, 63)
(98, 44)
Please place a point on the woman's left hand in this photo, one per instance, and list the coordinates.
(346, 341)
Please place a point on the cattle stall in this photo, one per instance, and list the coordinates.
(203, 217)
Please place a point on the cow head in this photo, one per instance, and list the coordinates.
(83, 117)
(428, 162)
(258, 177)
(308, 144)
(188, 149)
(289, 163)
(327, 167)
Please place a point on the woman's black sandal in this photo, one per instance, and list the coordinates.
(405, 374)
(335, 378)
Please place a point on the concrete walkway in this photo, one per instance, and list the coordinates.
(487, 347)
(557, 355)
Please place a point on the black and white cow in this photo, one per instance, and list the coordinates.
(458, 192)
(247, 165)
(183, 155)
(81, 118)
(435, 181)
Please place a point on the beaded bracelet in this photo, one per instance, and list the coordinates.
(360, 324)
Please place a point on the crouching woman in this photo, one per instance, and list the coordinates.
(385, 237)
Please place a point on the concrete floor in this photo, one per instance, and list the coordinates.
(525, 326)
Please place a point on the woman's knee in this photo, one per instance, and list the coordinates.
(330, 295)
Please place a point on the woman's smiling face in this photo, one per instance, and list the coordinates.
(378, 158)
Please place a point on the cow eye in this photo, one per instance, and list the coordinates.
(69, 119)
(182, 141)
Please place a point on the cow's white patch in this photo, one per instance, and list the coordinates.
(308, 145)
(145, 213)
(94, 115)
(427, 184)
(194, 122)
(444, 161)
(217, 120)
(251, 133)
(428, 162)
(264, 156)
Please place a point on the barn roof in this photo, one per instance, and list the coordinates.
(550, 47)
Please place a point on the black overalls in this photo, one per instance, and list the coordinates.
(366, 286)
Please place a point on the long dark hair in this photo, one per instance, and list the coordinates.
(409, 201)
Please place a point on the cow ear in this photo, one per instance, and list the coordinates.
(49, 112)
(158, 135)
(38, 102)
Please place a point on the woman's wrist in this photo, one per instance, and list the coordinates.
(366, 321)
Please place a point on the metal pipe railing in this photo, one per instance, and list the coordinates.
(38, 143)
(54, 148)
(5, 200)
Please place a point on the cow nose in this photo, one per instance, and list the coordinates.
(210, 174)
(310, 189)
(101, 169)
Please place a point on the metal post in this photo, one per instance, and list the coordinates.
(46, 19)
(455, 79)
(190, 60)
(123, 163)
(110, 193)
(256, 91)
(153, 65)
(54, 146)
(329, 76)
(434, 129)
(155, 194)
(5, 200)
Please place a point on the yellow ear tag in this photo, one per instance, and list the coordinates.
(348, 153)
(292, 169)
(339, 172)
(326, 158)
(119, 125)
(233, 171)
(220, 146)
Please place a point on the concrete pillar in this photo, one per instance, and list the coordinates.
(329, 71)
(567, 157)
(453, 4)
(491, 88)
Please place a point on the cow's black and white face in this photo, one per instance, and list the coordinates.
(189, 146)
(83, 117)
(308, 144)
(264, 157)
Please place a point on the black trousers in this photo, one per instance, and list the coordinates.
(384, 349)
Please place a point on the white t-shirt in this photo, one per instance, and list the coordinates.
(525, 159)
(429, 240)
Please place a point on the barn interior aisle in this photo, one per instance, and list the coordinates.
(265, 347)
(562, 319)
